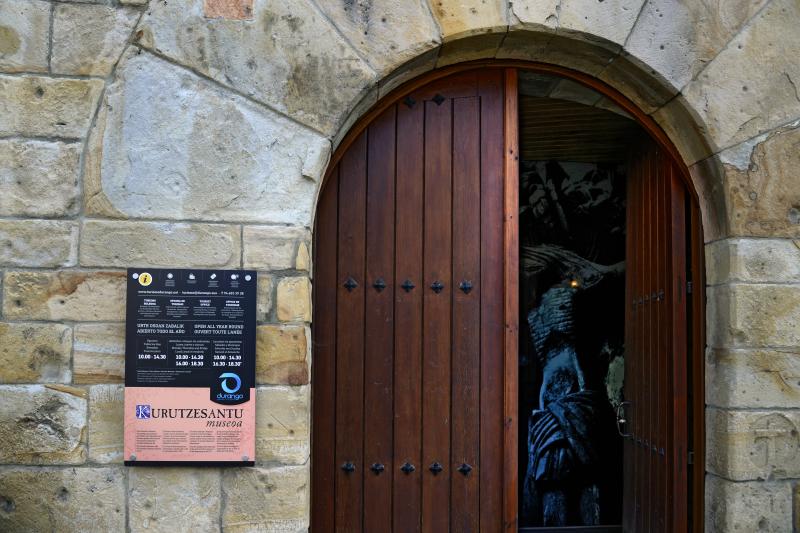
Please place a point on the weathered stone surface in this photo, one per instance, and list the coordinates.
(750, 87)
(611, 20)
(228, 9)
(685, 129)
(708, 178)
(524, 45)
(408, 71)
(265, 499)
(42, 424)
(99, 353)
(585, 56)
(744, 315)
(105, 423)
(66, 295)
(89, 39)
(159, 244)
(294, 299)
(174, 499)
(677, 39)
(753, 260)
(751, 445)
(742, 378)
(24, 28)
(303, 259)
(537, 15)
(761, 186)
(282, 355)
(39, 178)
(264, 297)
(289, 56)
(479, 46)
(38, 243)
(368, 100)
(282, 425)
(62, 499)
(39, 106)
(35, 353)
(745, 507)
(459, 18)
(272, 247)
(169, 144)
(638, 82)
(386, 32)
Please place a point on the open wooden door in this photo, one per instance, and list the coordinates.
(408, 371)
(658, 299)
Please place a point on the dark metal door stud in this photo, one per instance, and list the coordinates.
(436, 468)
(349, 467)
(407, 468)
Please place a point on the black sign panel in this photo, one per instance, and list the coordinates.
(187, 328)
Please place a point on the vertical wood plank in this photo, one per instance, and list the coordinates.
(697, 359)
(659, 460)
(650, 328)
(679, 347)
(379, 322)
(407, 492)
(464, 496)
(640, 345)
(436, 311)
(324, 370)
(511, 290)
(350, 337)
(490, 88)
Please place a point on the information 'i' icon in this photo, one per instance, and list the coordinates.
(145, 279)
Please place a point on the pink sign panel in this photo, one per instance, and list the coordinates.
(190, 367)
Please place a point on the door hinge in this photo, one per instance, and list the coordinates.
(690, 459)
(688, 287)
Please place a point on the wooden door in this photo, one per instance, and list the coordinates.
(409, 303)
(656, 447)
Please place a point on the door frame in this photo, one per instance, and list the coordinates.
(696, 364)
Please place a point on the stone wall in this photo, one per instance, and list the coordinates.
(194, 133)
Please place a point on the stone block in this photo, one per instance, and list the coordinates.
(89, 39)
(403, 73)
(67, 295)
(264, 297)
(524, 45)
(537, 15)
(611, 20)
(272, 247)
(47, 107)
(708, 178)
(744, 315)
(265, 499)
(289, 57)
(174, 499)
(479, 46)
(282, 425)
(386, 32)
(282, 355)
(761, 187)
(677, 39)
(640, 84)
(169, 144)
(460, 18)
(106, 432)
(744, 507)
(99, 353)
(228, 9)
(39, 178)
(38, 243)
(743, 378)
(750, 86)
(42, 424)
(585, 56)
(753, 261)
(685, 129)
(294, 299)
(34, 352)
(752, 445)
(159, 244)
(62, 499)
(24, 36)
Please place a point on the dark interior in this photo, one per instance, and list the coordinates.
(574, 146)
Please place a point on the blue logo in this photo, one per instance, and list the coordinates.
(225, 385)
(143, 411)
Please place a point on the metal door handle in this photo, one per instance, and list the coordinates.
(621, 419)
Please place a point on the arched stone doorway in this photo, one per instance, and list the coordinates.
(354, 399)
